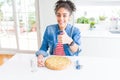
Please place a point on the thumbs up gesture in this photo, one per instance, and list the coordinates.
(64, 38)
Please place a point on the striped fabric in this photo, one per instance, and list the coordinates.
(59, 50)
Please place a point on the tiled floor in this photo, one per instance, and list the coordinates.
(4, 58)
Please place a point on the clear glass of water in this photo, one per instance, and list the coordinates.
(33, 64)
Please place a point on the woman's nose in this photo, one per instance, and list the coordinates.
(61, 18)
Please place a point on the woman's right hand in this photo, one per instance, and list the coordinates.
(40, 61)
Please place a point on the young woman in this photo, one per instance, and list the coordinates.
(62, 38)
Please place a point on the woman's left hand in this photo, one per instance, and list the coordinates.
(64, 38)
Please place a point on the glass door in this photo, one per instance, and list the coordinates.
(7, 30)
(26, 28)
(18, 28)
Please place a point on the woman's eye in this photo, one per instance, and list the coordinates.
(64, 16)
(58, 15)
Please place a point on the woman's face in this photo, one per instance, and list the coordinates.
(63, 16)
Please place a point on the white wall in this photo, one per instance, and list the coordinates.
(47, 15)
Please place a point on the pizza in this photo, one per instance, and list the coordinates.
(57, 62)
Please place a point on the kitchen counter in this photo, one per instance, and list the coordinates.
(100, 43)
(100, 34)
(92, 68)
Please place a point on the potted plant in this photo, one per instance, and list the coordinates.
(102, 18)
(32, 25)
(83, 20)
(92, 22)
(82, 23)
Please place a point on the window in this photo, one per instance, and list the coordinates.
(7, 30)
(18, 28)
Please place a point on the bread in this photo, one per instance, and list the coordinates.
(57, 62)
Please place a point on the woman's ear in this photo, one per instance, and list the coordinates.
(70, 18)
